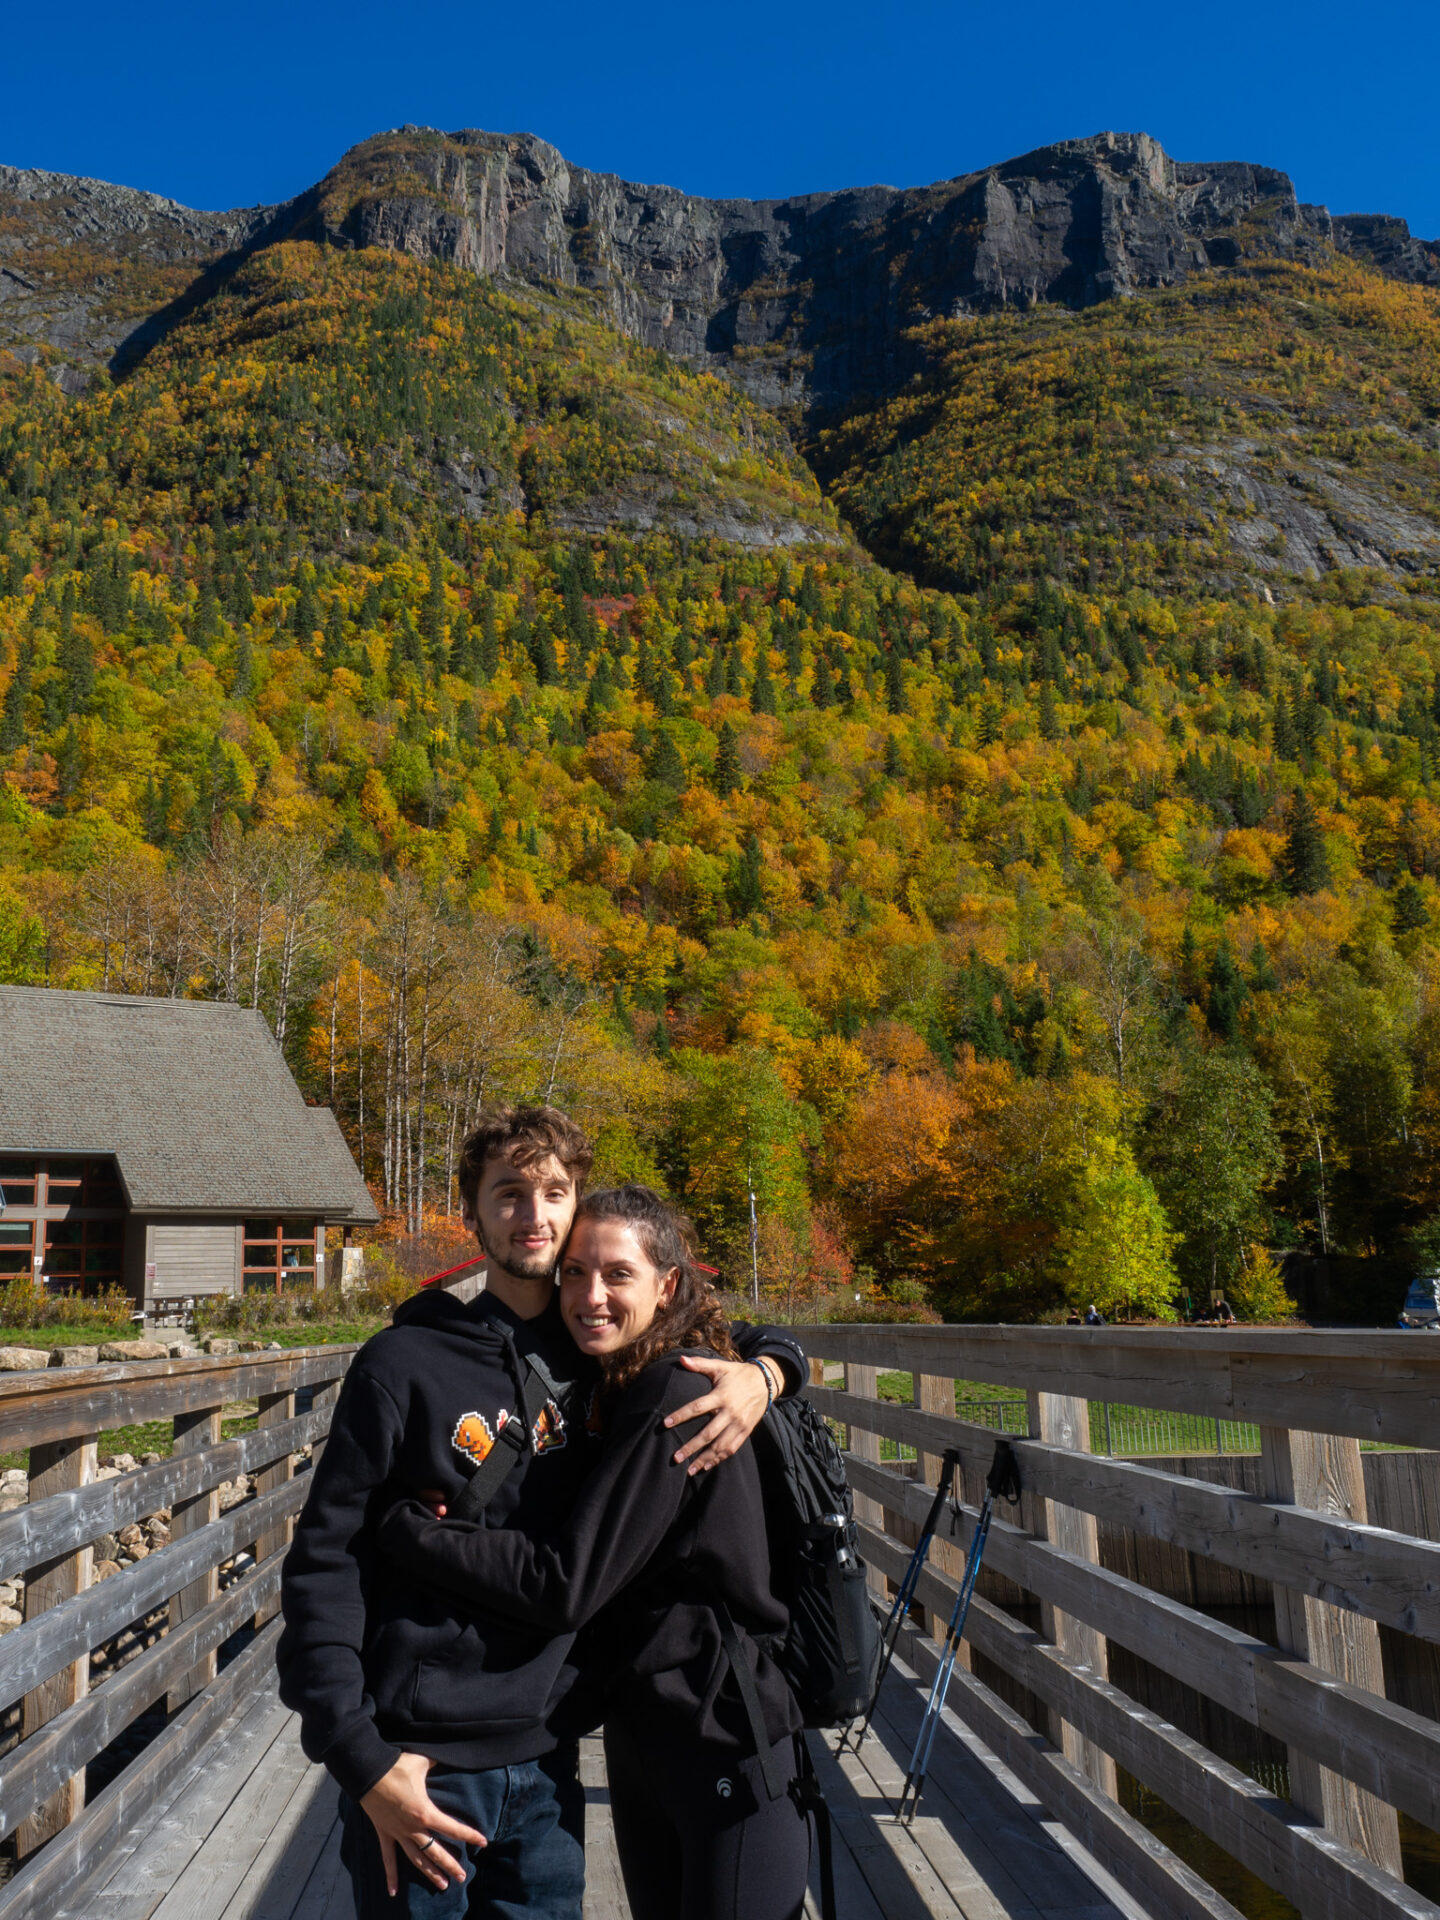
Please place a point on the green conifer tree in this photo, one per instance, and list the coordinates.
(12, 719)
(1303, 861)
(243, 666)
(726, 777)
(746, 893)
(895, 699)
(1408, 911)
(1227, 994)
(762, 690)
(822, 687)
(1049, 715)
(894, 765)
(1263, 977)
(666, 764)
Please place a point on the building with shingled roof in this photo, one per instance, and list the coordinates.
(164, 1147)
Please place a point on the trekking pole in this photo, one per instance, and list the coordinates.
(1003, 1481)
(949, 1466)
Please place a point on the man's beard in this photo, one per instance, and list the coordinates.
(534, 1266)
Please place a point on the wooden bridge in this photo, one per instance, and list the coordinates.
(147, 1768)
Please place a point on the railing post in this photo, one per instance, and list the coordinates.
(193, 1433)
(325, 1396)
(56, 1468)
(1064, 1421)
(936, 1395)
(865, 1383)
(1323, 1472)
(275, 1409)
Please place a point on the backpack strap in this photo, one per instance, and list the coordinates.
(743, 1669)
(809, 1797)
(515, 1437)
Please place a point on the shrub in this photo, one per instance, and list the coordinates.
(27, 1302)
(1257, 1292)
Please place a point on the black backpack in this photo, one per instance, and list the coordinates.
(830, 1653)
(832, 1649)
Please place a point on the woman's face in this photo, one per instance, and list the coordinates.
(610, 1290)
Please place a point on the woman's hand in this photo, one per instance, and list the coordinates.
(737, 1399)
(406, 1820)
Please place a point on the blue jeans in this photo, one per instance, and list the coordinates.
(533, 1816)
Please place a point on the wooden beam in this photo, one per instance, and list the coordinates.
(1277, 1841)
(861, 1383)
(935, 1394)
(1063, 1421)
(194, 1432)
(1323, 1473)
(55, 1467)
(31, 1653)
(55, 1402)
(39, 1765)
(1390, 1577)
(1372, 1386)
(79, 1515)
(86, 1841)
(276, 1410)
(1158, 1879)
(1390, 1751)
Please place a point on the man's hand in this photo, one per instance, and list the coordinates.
(738, 1399)
(406, 1819)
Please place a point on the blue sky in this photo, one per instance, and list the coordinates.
(231, 105)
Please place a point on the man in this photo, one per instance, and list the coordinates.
(439, 1725)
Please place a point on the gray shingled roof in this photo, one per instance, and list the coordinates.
(192, 1097)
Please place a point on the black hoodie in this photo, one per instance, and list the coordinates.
(376, 1665)
(641, 1562)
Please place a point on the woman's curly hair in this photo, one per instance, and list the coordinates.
(693, 1316)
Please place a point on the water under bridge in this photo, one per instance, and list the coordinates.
(1198, 1683)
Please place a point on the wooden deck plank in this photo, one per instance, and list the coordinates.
(899, 1874)
(326, 1894)
(157, 1858)
(276, 1880)
(228, 1857)
(252, 1833)
(1007, 1836)
(604, 1883)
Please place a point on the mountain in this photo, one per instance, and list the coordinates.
(923, 703)
(804, 301)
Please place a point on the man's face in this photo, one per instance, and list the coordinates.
(522, 1215)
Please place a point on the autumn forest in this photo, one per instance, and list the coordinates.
(998, 852)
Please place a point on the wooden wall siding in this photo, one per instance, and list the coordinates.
(193, 1258)
(1240, 1613)
(45, 1662)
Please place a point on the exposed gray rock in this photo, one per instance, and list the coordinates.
(74, 1356)
(800, 300)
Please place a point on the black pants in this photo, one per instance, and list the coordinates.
(698, 1836)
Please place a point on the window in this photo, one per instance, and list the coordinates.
(17, 1247)
(279, 1253)
(83, 1254)
(65, 1218)
(17, 1182)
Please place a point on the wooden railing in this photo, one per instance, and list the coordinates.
(168, 1605)
(1314, 1680)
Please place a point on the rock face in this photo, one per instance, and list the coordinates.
(803, 301)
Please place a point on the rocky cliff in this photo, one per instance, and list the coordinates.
(805, 301)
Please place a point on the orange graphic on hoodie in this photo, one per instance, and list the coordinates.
(549, 1429)
(473, 1436)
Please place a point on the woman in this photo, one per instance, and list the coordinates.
(643, 1562)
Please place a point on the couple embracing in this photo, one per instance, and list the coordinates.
(536, 1514)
